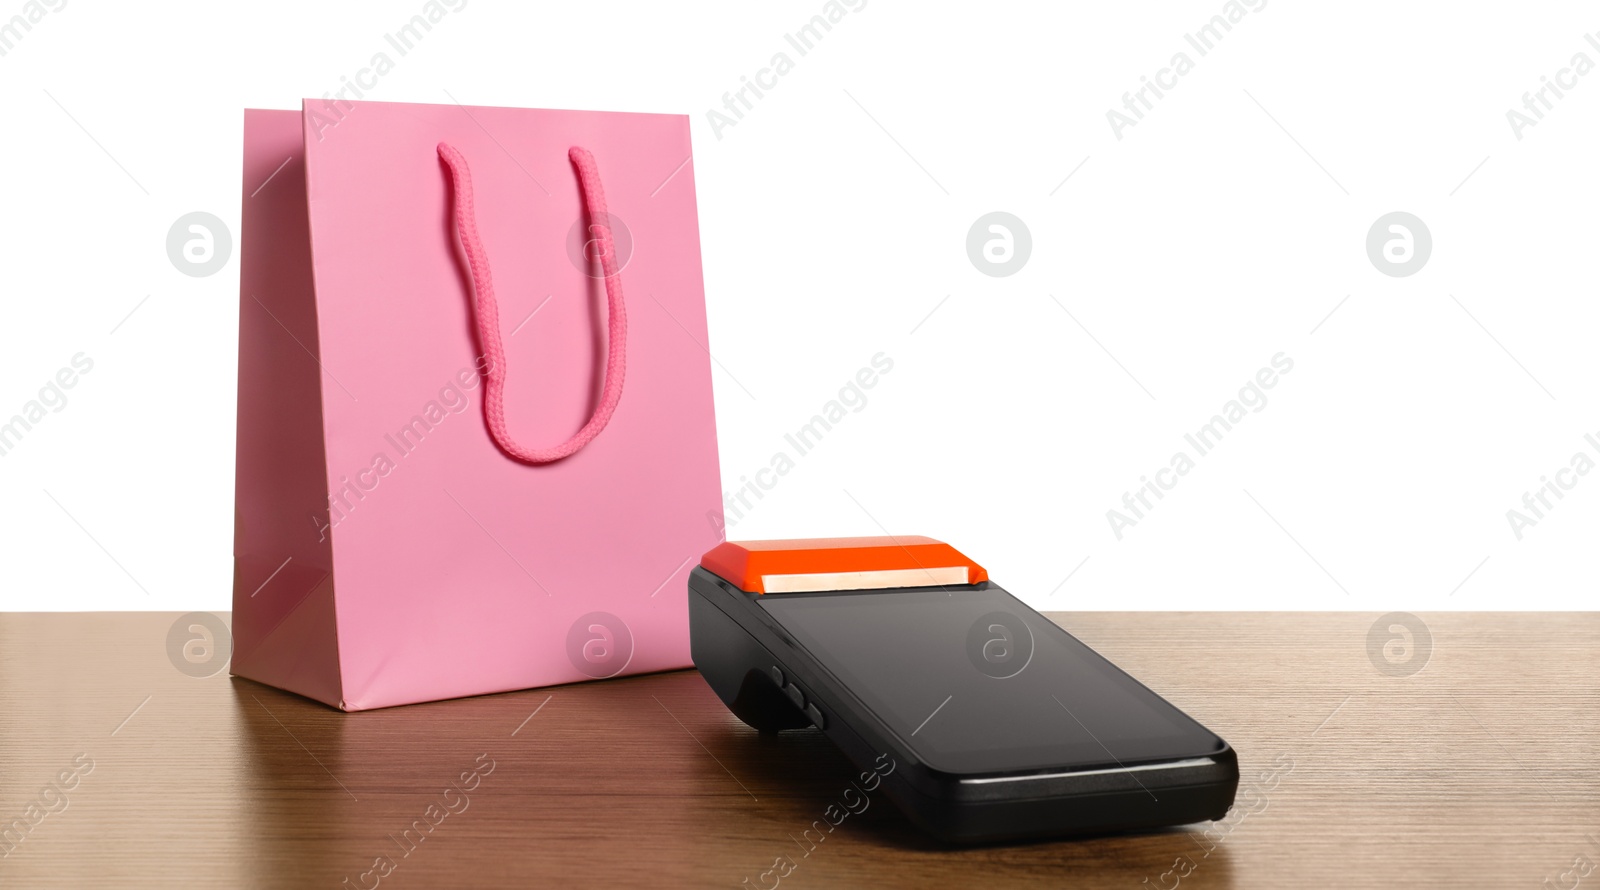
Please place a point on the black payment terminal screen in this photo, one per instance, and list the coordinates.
(976, 682)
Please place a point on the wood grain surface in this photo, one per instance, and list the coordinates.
(118, 770)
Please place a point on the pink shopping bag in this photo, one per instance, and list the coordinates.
(476, 448)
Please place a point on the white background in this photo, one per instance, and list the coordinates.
(1219, 231)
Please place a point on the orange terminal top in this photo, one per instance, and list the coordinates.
(817, 564)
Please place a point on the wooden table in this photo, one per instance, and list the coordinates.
(1480, 770)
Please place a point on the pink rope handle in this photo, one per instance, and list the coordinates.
(488, 312)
